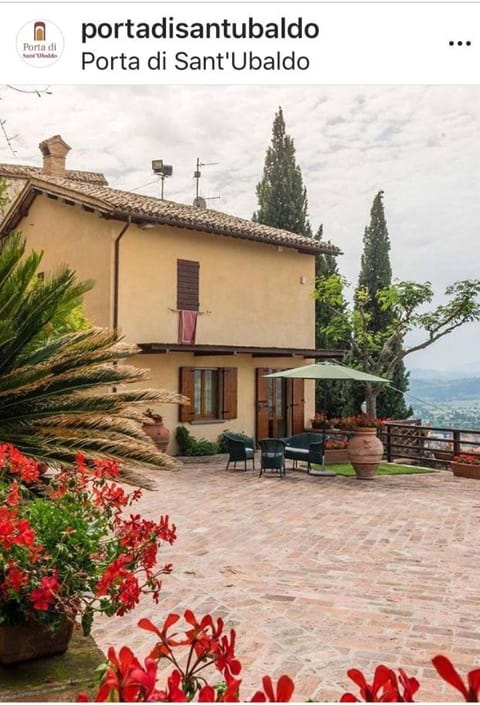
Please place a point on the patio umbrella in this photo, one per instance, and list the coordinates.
(327, 371)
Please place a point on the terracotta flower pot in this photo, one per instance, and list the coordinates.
(465, 470)
(365, 452)
(24, 642)
(336, 455)
(159, 434)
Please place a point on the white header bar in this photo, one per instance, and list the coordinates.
(240, 43)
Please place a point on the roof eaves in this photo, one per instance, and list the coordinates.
(179, 222)
(255, 351)
(35, 186)
(74, 191)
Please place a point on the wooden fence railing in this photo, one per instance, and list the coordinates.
(421, 445)
(426, 445)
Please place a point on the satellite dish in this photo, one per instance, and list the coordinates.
(199, 202)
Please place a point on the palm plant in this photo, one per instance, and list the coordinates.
(56, 395)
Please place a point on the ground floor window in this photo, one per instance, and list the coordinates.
(205, 394)
(212, 392)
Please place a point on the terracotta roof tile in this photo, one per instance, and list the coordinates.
(91, 177)
(125, 203)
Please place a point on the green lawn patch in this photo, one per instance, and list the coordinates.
(383, 469)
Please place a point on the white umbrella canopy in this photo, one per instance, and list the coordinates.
(328, 371)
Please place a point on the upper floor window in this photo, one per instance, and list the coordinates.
(188, 285)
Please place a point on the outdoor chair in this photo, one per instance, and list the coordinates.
(272, 455)
(306, 447)
(240, 449)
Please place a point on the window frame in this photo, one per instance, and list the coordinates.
(224, 393)
(205, 400)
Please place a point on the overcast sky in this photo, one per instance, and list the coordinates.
(419, 144)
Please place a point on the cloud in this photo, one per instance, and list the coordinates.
(417, 143)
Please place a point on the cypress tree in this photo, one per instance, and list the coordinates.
(376, 274)
(282, 197)
(375, 268)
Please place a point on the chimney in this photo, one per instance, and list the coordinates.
(54, 152)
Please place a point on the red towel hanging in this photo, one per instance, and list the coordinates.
(187, 326)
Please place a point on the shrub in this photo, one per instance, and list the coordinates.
(191, 446)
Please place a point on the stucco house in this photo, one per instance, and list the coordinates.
(213, 301)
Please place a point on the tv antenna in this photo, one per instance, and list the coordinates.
(8, 138)
(199, 201)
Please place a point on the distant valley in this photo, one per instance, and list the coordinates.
(445, 398)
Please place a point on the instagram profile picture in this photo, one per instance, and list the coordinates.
(40, 43)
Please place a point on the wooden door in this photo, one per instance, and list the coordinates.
(297, 406)
(279, 405)
(261, 420)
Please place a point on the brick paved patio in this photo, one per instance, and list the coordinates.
(318, 575)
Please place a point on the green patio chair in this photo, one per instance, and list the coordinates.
(240, 449)
(272, 455)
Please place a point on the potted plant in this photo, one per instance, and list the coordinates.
(365, 449)
(156, 429)
(466, 465)
(67, 551)
(336, 451)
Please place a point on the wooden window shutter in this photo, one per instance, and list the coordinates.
(188, 285)
(229, 401)
(185, 412)
(298, 406)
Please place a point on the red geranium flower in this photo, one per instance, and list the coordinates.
(446, 670)
(43, 596)
(281, 694)
(383, 689)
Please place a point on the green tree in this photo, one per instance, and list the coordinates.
(55, 390)
(375, 268)
(375, 275)
(282, 197)
(334, 396)
(380, 352)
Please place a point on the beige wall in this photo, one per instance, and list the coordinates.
(250, 293)
(164, 375)
(70, 235)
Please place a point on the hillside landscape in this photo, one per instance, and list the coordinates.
(446, 398)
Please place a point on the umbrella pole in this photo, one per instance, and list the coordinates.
(324, 435)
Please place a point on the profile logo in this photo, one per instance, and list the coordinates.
(39, 34)
(40, 43)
